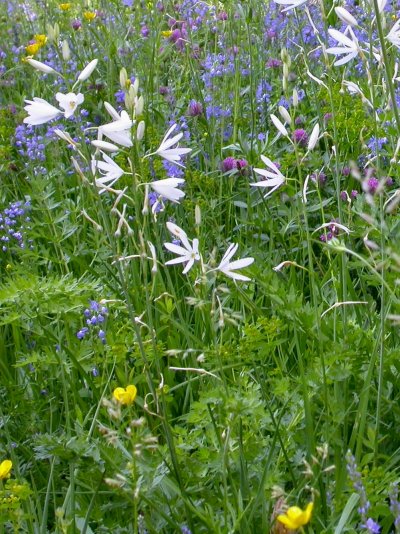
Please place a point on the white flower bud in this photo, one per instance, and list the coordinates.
(345, 16)
(66, 52)
(41, 66)
(87, 71)
(139, 105)
(140, 131)
(285, 114)
(123, 78)
(313, 137)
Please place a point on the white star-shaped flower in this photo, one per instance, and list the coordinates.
(40, 111)
(394, 35)
(173, 155)
(274, 176)
(118, 131)
(109, 170)
(228, 268)
(168, 188)
(69, 102)
(187, 253)
(349, 48)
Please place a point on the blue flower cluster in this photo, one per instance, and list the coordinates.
(13, 225)
(95, 317)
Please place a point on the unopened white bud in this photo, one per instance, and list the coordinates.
(285, 114)
(123, 78)
(345, 16)
(197, 215)
(87, 71)
(66, 52)
(139, 105)
(295, 98)
(140, 131)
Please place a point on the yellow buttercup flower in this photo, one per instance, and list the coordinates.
(89, 15)
(40, 39)
(5, 468)
(167, 33)
(295, 517)
(32, 49)
(125, 395)
(65, 7)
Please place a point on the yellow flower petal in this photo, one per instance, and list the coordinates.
(40, 39)
(5, 468)
(32, 49)
(89, 15)
(125, 395)
(286, 521)
(295, 517)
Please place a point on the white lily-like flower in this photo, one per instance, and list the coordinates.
(173, 155)
(69, 102)
(349, 48)
(119, 130)
(394, 35)
(40, 111)
(228, 268)
(110, 172)
(291, 4)
(274, 179)
(187, 253)
(168, 188)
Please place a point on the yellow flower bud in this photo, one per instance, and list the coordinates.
(65, 7)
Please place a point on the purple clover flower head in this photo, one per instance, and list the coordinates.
(371, 526)
(344, 196)
(346, 171)
(76, 24)
(354, 194)
(241, 165)
(371, 185)
(300, 137)
(195, 109)
(228, 164)
(144, 31)
(327, 117)
(273, 63)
